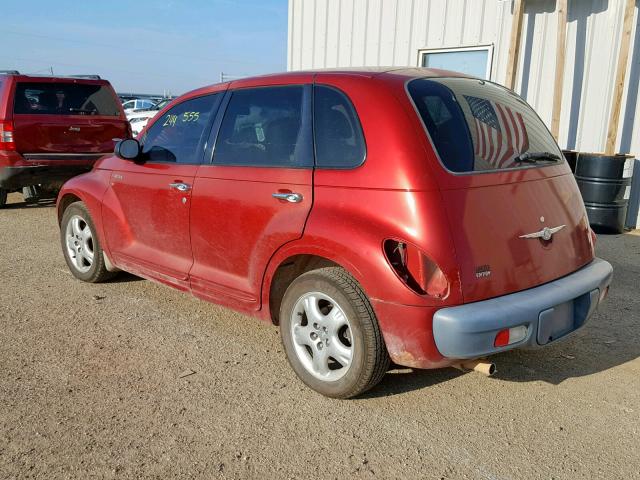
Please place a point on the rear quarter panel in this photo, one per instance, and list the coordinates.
(349, 227)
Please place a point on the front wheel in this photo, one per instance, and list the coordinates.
(331, 335)
(80, 245)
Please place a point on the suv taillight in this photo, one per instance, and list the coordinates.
(419, 272)
(6, 136)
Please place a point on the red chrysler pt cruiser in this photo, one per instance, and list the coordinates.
(406, 215)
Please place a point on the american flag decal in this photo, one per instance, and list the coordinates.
(500, 132)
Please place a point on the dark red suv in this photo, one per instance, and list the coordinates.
(52, 128)
(409, 215)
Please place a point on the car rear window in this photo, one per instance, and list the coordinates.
(64, 99)
(480, 126)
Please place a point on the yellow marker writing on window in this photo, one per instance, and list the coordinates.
(190, 117)
(170, 121)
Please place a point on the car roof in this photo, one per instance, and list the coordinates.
(90, 79)
(299, 76)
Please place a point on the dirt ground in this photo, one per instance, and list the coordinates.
(131, 379)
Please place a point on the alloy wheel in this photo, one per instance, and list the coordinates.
(322, 336)
(79, 242)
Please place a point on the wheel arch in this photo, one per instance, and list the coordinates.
(63, 203)
(289, 264)
(88, 189)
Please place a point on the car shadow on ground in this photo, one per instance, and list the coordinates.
(125, 277)
(42, 203)
(610, 338)
(402, 380)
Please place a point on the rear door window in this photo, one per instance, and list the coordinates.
(339, 141)
(264, 127)
(480, 126)
(177, 136)
(64, 99)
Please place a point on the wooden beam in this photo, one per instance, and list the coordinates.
(514, 46)
(561, 45)
(618, 87)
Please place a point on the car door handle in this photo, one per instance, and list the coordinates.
(181, 187)
(289, 197)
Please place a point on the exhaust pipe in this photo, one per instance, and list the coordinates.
(480, 366)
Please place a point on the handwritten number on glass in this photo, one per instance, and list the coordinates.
(186, 117)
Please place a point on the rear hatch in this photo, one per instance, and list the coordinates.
(66, 117)
(515, 212)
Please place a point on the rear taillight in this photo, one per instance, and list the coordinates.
(511, 335)
(6, 136)
(414, 267)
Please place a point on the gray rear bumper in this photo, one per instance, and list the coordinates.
(549, 311)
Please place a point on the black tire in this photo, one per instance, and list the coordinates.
(3, 197)
(97, 271)
(369, 359)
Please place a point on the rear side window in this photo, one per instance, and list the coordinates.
(177, 136)
(338, 135)
(479, 126)
(64, 99)
(264, 127)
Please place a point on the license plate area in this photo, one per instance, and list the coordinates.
(558, 321)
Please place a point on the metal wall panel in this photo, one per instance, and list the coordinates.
(345, 33)
(335, 33)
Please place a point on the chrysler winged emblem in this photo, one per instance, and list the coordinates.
(545, 234)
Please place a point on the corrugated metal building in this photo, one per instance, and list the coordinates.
(475, 34)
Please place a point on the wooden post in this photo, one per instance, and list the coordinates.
(561, 42)
(514, 46)
(618, 87)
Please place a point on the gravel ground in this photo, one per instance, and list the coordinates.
(131, 379)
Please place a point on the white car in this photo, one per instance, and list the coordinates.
(137, 104)
(139, 118)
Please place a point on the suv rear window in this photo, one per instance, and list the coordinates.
(64, 99)
(479, 126)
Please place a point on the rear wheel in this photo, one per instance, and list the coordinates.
(81, 246)
(331, 335)
(3, 197)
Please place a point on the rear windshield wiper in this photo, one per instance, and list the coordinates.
(82, 110)
(533, 157)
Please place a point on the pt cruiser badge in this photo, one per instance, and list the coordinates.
(545, 234)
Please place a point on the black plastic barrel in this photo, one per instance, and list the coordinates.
(572, 157)
(604, 189)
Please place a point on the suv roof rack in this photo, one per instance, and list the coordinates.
(90, 77)
(16, 72)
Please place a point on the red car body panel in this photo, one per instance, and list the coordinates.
(228, 266)
(487, 223)
(226, 242)
(147, 222)
(67, 133)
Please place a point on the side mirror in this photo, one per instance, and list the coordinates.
(127, 149)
